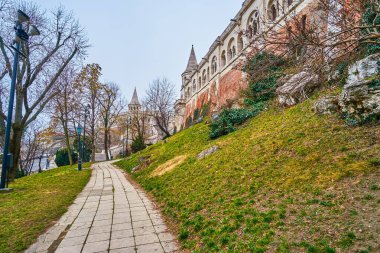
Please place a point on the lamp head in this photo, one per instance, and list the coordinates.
(33, 31)
(79, 129)
(22, 17)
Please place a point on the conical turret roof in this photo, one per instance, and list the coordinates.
(135, 98)
(192, 64)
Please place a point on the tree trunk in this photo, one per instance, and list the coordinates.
(93, 146)
(39, 164)
(106, 144)
(14, 148)
(67, 139)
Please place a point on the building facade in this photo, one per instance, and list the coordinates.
(138, 121)
(217, 79)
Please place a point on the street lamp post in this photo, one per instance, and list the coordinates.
(79, 131)
(21, 36)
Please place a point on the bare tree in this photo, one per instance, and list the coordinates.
(335, 28)
(112, 105)
(46, 57)
(31, 148)
(64, 104)
(160, 98)
(90, 87)
(139, 122)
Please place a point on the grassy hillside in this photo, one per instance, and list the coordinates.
(288, 181)
(35, 203)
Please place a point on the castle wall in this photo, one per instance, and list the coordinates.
(218, 76)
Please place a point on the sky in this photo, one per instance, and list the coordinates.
(137, 41)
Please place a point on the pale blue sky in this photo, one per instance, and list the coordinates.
(136, 41)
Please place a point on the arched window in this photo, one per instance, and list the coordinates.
(199, 83)
(231, 53)
(223, 59)
(272, 10)
(188, 93)
(214, 65)
(240, 44)
(208, 74)
(194, 86)
(254, 24)
(204, 77)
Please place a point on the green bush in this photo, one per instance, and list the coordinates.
(229, 119)
(370, 17)
(264, 69)
(138, 144)
(62, 157)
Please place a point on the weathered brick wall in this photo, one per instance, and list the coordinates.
(202, 99)
(230, 87)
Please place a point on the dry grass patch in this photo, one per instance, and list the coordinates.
(168, 166)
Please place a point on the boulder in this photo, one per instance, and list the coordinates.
(207, 152)
(327, 105)
(360, 97)
(363, 69)
(360, 100)
(297, 88)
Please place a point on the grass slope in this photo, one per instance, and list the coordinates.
(36, 203)
(288, 181)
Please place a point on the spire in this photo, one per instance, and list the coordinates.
(192, 64)
(135, 98)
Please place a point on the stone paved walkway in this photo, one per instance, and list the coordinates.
(110, 215)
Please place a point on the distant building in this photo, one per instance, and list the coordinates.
(139, 121)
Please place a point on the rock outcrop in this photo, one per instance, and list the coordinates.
(363, 69)
(360, 98)
(297, 88)
(207, 152)
(327, 105)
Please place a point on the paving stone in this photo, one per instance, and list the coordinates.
(143, 230)
(144, 223)
(98, 230)
(95, 247)
(166, 237)
(146, 239)
(72, 241)
(122, 243)
(121, 220)
(122, 226)
(121, 234)
(76, 233)
(160, 228)
(101, 223)
(70, 249)
(123, 250)
(170, 247)
(98, 237)
(140, 217)
(150, 248)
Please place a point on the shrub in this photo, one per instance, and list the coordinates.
(62, 157)
(229, 119)
(370, 17)
(264, 69)
(138, 144)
